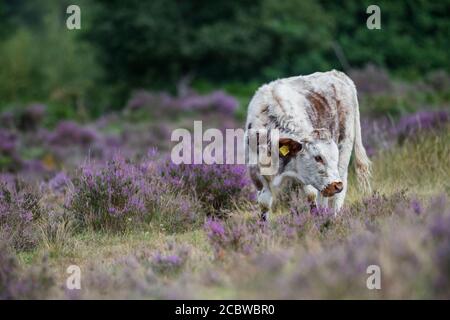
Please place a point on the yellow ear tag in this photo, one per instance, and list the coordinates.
(284, 150)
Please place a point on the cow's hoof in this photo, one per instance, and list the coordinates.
(263, 217)
(312, 208)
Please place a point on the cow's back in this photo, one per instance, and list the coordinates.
(330, 102)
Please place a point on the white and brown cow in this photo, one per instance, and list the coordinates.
(318, 121)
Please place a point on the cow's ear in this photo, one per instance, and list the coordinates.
(289, 147)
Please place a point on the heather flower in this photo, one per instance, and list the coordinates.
(59, 182)
(9, 158)
(69, 132)
(322, 216)
(167, 263)
(217, 186)
(234, 234)
(17, 284)
(139, 100)
(8, 142)
(416, 206)
(164, 104)
(171, 261)
(31, 117)
(172, 210)
(371, 80)
(383, 133)
(290, 226)
(109, 196)
(424, 120)
(19, 209)
(167, 206)
(215, 228)
(224, 103)
(439, 228)
(438, 80)
(7, 119)
(378, 134)
(34, 166)
(379, 204)
(215, 101)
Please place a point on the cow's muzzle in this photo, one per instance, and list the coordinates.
(332, 189)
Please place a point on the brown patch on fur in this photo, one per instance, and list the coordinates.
(342, 112)
(319, 103)
(323, 114)
(342, 116)
(265, 109)
(277, 99)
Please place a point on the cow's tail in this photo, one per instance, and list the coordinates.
(362, 163)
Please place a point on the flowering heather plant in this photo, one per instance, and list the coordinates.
(7, 119)
(9, 159)
(218, 187)
(59, 182)
(69, 132)
(164, 104)
(235, 234)
(300, 217)
(371, 80)
(410, 125)
(215, 101)
(19, 210)
(177, 212)
(8, 142)
(170, 262)
(167, 206)
(57, 222)
(438, 80)
(378, 134)
(138, 138)
(109, 196)
(383, 133)
(16, 284)
(376, 206)
(31, 117)
(439, 228)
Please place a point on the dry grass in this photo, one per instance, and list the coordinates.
(420, 167)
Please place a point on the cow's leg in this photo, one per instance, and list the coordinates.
(344, 160)
(265, 197)
(265, 200)
(311, 196)
(338, 199)
(322, 201)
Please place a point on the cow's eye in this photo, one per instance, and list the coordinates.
(318, 159)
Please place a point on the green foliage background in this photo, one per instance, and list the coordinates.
(153, 44)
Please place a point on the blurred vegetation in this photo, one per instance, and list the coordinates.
(43, 61)
(234, 44)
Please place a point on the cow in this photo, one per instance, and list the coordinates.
(317, 117)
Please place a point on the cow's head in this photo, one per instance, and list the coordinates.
(315, 161)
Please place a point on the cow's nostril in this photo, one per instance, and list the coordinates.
(338, 186)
